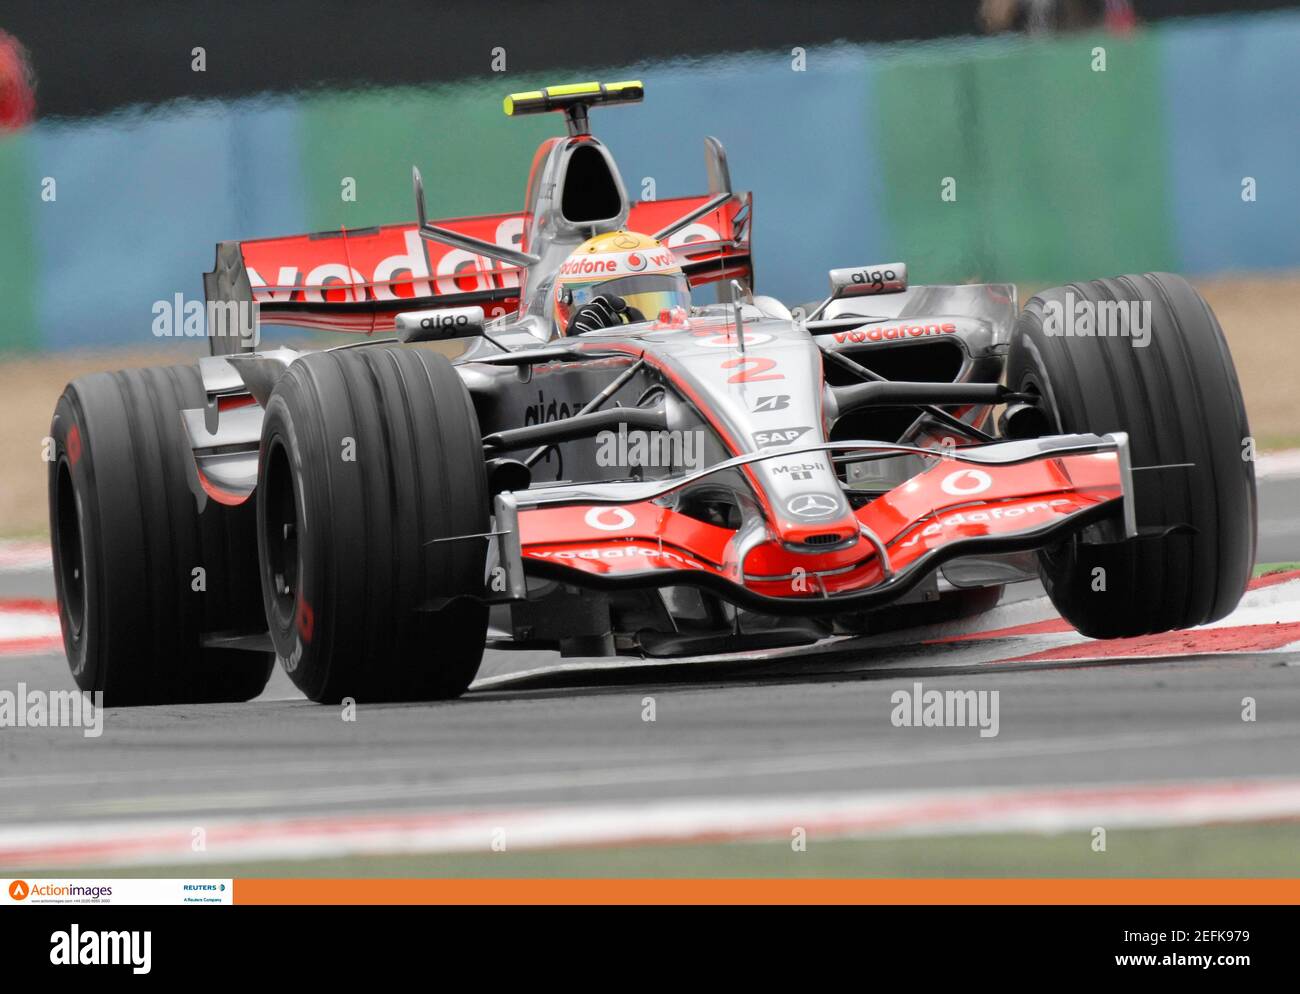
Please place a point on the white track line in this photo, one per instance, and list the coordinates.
(25, 556)
(920, 813)
(694, 773)
(1278, 465)
(29, 627)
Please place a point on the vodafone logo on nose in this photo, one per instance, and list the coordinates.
(610, 519)
(966, 482)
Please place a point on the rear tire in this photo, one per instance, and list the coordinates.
(127, 538)
(368, 455)
(1179, 400)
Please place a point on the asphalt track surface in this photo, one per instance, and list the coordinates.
(769, 730)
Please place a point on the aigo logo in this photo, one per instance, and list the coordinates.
(448, 319)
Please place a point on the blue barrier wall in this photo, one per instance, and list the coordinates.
(844, 159)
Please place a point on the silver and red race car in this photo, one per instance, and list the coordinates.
(722, 477)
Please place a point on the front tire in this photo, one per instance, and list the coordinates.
(369, 456)
(1179, 400)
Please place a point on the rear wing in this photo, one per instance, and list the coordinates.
(358, 280)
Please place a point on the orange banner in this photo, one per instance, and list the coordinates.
(774, 892)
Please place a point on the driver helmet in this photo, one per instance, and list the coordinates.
(638, 268)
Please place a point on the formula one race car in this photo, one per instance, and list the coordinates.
(560, 448)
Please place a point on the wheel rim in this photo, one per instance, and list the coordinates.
(280, 533)
(69, 552)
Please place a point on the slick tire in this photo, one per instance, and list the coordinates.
(140, 572)
(369, 456)
(1180, 403)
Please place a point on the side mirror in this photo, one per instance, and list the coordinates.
(435, 325)
(868, 281)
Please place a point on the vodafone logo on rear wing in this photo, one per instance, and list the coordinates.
(393, 263)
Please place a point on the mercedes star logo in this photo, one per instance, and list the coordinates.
(813, 506)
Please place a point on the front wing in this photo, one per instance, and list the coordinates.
(1004, 497)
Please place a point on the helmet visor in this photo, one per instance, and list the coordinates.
(648, 295)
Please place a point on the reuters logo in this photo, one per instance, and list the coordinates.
(18, 890)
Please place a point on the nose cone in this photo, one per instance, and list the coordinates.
(812, 518)
(766, 397)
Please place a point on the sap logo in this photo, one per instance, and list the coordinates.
(773, 402)
(779, 436)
